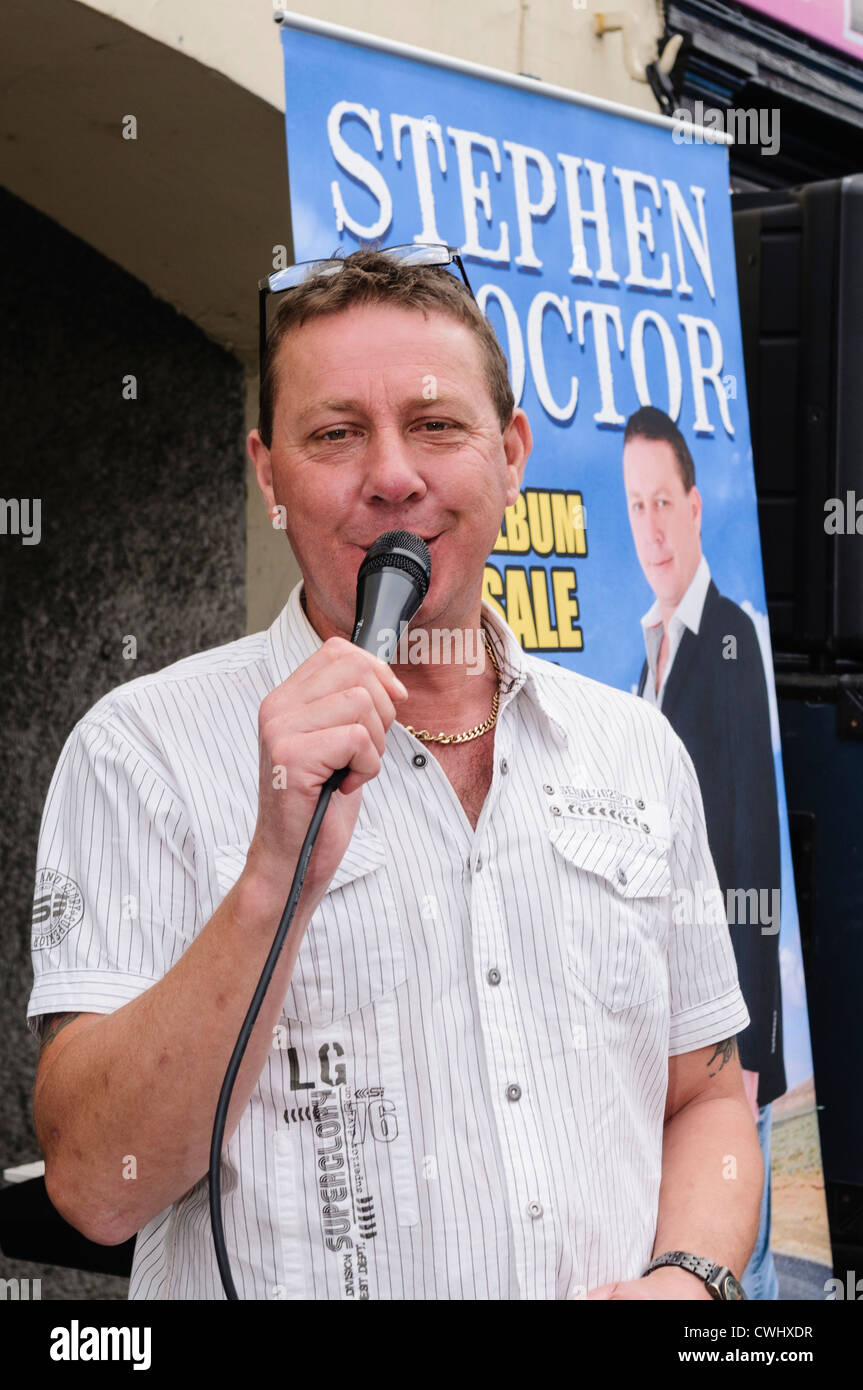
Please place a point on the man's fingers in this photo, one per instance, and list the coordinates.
(305, 761)
(344, 707)
(283, 733)
(351, 747)
(347, 663)
(289, 709)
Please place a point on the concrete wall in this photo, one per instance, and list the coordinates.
(142, 535)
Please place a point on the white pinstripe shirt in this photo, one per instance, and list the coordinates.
(464, 1098)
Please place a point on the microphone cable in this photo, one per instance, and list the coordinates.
(393, 579)
(215, 1175)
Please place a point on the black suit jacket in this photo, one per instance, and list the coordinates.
(719, 708)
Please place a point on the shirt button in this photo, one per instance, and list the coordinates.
(534, 1210)
(419, 759)
(640, 804)
(493, 977)
(478, 862)
(504, 766)
(621, 876)
(547, 788)
(513, 1092)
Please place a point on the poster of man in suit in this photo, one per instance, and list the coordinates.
(602, 253)
(704, 669)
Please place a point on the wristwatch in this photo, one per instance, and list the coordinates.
(720, 1282)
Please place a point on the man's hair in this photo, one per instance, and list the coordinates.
(371, 277)
(650, 423)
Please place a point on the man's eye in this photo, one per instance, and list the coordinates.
(434, 426)
(336, 434)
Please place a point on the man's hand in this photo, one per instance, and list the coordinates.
(333, 712)
(666, 1283)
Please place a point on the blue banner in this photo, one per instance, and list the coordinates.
(599, 242)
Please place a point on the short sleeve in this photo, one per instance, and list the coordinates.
(114, 905)
(705, 997)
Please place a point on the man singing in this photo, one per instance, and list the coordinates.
(490, 1065)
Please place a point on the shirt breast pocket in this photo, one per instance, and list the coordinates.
(353, 952)
(616, 910)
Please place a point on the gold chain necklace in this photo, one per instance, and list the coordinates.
(478, 729)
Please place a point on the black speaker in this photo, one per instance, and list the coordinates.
(800, 280)
(822, 752)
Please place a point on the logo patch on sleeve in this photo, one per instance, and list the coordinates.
(58, 906)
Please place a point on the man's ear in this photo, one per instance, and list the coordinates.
(695, 501)
(517, 444)
(259, 455)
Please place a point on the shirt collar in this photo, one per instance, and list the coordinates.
(293, 640)
(690, 608)
(536, 676)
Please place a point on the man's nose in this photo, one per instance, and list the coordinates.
(656, 530)
(391, 469)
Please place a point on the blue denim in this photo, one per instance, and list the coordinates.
(759, 1277)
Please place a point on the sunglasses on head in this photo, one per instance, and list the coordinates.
(282, 281)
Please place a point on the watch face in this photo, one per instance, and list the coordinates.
(731, 1290)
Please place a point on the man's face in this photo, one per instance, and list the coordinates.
(665, 519)
(383, 421)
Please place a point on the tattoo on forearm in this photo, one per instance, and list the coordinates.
(724, 1051)
(54, 1024)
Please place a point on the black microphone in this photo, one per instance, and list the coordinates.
(392, 582)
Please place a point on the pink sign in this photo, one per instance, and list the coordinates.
(835, 22)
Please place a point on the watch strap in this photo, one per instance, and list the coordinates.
(713, 1275)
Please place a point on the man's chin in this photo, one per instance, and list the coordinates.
(663, 582)
(329, 619)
